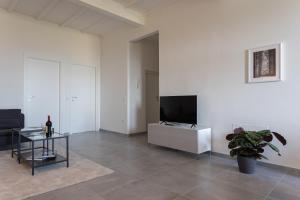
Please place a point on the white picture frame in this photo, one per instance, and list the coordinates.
(265, 64)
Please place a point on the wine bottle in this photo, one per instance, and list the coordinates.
(49, 127)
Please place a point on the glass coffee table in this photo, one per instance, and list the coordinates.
(42, 149)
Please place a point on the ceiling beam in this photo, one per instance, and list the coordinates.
(115, 9)
(74, 17)
(12, 5)
(91, 25)
(50, 6)
(130, 3)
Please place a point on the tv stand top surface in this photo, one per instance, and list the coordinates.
(181, 126)
(170, 124)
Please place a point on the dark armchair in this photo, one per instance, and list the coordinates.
(9, 118)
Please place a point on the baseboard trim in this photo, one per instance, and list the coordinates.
(270, 165)
(115, 132)
(136, 134)
(123, 134)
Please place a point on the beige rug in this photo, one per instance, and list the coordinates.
(16, 182)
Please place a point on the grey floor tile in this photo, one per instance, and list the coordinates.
(285, 191)
(173, 158)
(288, 188)
(76, 192)
(176, 181)
(200, 167)
(292, 177)
(181, 198)
(46, 196)
(140, 190)
(149, 172)
(105, 184)
(144, 167)
(216, 190)
(260, 184)
(269, 172)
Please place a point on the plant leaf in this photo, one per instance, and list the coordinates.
(234, 152)
(250, 139)
(230, 136)
(232, 144)
(248, 152)
(263, 144)
(260, 150)
(255, 136)
(252, 143)
(262, 156)
(264, 132)
(274, 148)
(268, 138)
(280, 138)
(238, 130)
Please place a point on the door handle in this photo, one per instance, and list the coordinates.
(74, 98)
(30, 98)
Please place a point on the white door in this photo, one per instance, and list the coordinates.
(152, 97)
(41, 92)
(83, 99)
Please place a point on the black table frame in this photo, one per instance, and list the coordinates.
(35, 164)
(18, 151)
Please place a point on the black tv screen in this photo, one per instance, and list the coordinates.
(180, 109)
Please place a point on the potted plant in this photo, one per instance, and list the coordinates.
(248, 146)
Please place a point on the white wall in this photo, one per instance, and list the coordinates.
(143, 57)
(22, 37)
(202, 51)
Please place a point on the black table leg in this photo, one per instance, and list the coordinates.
(47, 147)
(32, 157)
(43, 147)
(67, 149)
(19, 147)
(12, 143)
(53, 146)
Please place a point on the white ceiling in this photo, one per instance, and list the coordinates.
(144, 6)
(76, 15)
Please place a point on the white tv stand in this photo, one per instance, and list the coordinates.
(181, 137)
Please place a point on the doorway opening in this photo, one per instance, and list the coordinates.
(144, 83)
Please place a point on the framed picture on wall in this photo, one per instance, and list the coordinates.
(265, 64)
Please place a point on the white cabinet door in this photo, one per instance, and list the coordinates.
(82, 98)
(41, 92)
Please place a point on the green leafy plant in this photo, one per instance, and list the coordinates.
(252, 143)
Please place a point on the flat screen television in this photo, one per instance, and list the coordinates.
(180, 109)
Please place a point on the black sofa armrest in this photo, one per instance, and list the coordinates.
(11, 118)
(9, 123)
(22, 121)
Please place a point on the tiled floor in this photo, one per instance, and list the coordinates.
(147, 172)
